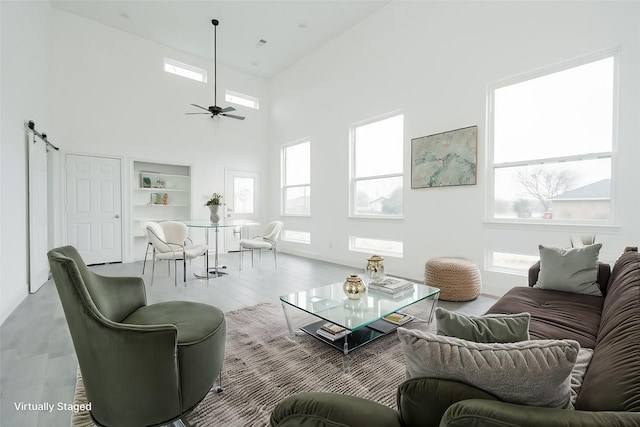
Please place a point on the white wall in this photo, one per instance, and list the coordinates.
(434, 61)
(25, 34)
(112, 97)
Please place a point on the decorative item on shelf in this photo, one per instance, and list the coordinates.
(214, 204)
(354, 287)
(375, 268)
(146, 178)
(159, 183)
(159, 199)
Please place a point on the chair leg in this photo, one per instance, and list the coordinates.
(175, 272)
(184, 269)
(153, 266)
(275, 258)
(217, 386)
(251, 258)
(206, 263)
(146, 252)
(240, 266)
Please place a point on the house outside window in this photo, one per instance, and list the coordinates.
(377, 168)
(296, 178)
(551, 137)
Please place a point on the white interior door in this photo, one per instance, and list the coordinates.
(242, 195)
(94, 207)
(38, 214)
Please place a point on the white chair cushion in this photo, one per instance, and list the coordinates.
(195, 250)
(177, 254)
(255, 244)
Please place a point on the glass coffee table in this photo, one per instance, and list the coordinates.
(363, 318)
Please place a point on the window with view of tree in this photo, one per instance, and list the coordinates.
(552, 138)
(377, 167)
(296, 178)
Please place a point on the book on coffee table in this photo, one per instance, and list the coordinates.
(398, 318)
(391, 285)
(332, 331)
(332, 328)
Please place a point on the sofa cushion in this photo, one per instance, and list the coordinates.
(570, 270)
(316, 409)
(555, 314)
(489, 328)
(612, 382)
(536, 373)
(422, 401)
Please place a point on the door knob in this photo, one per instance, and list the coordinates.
(117, 216)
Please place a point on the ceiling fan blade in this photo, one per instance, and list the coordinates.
(197, 113)
(227, 109)
(233, 116)
(206, 109)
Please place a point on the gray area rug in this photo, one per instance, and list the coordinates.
(263, 366)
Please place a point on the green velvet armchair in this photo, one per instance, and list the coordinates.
(141, 364)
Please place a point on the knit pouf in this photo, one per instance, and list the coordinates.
(457, 278)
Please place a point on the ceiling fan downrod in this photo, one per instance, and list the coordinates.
(215, 23)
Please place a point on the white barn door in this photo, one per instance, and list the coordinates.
(38, 214)
(94, 207)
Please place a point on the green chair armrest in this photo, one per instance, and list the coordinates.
(331, 410)
(483, 413)
(120, 364)
(422, 401)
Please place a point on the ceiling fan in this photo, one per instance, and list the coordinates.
(214, 110)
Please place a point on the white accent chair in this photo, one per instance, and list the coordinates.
(170, 241)
(267, 240)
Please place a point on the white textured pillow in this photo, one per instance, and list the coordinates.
(536, 373)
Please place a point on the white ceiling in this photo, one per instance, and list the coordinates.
(292, 28)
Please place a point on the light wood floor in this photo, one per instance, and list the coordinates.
(37, 359)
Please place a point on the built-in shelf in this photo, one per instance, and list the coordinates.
(160, 192)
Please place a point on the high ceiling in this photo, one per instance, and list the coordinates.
(292, 29)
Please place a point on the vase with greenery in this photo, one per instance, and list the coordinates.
(214, 204)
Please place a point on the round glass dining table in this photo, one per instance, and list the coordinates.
(239, 225)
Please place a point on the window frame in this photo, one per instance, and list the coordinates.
(353, 180)
(251, 101)
(283, 172)
(287, 238)
(492, 166)
(355, 247)
(168, 62)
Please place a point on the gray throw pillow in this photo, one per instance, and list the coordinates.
(487, 328)
(570, 270)
(536, 373)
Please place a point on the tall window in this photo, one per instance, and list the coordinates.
(296, 178)
(552, 137)
(377, 168)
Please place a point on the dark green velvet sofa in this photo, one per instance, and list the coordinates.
(610, 392)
